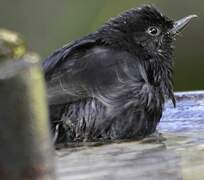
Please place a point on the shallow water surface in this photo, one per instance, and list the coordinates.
(179, 157)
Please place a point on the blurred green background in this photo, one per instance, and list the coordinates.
(49, 24)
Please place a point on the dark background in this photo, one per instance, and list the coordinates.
(49, 24)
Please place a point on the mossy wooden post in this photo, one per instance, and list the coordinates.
(25, 146)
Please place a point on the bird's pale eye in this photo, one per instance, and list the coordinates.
(153, 31)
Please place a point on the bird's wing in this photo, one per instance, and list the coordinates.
(61, 55)
(88, 70)
(115, 78)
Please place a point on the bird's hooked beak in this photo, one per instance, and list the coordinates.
(180, 24)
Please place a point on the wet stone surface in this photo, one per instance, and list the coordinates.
(179, 156)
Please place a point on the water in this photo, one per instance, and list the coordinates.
(179, 155)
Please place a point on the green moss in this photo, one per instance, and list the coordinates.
(11, 45)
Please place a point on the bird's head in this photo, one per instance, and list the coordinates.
(144, 31)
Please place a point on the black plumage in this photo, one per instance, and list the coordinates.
(112, 84)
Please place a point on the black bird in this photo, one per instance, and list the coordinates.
(112, 84)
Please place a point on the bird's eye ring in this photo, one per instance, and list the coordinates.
(153, 31)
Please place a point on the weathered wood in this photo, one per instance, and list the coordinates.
(25, 146)
(188, 116)
(179, 157)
